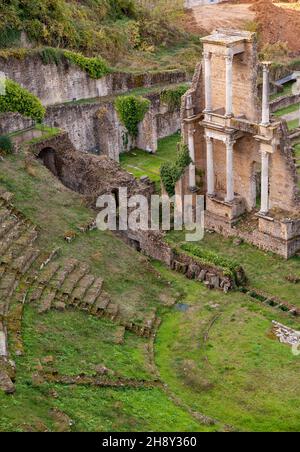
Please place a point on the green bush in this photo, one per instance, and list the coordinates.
(6, 145)
(131, 111)
(96, 67)
(94, 27)
(19, 100)
(172, 97)
(171, 172)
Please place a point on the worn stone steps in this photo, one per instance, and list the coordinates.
(100, 305)
(73, 279)
(7, 225)
(61, 275)
(48, 273)
(17, 243)
(8, 284)
(11, 239)
(46, 300)
(4, 214)
(25, 261)
(85, 284)
(92, 294)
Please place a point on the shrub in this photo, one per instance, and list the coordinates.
(230, 267)
(131, 111)
(96, 67)
(172, 97)
(19, 100)
(171, 172)
(6, 145)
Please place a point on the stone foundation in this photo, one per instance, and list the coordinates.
(268, 234)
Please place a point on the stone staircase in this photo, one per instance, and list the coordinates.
(27, 277)
(70, 285)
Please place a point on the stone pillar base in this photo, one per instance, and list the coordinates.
(229, 211)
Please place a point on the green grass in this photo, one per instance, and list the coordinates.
(141, 163)
(294, 124)
(286, 110)
(239, 375)
(287, 90)
(56, 210)
(265, 271)
(230, 369)
(88, 342)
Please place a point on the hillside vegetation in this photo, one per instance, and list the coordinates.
(128, 33)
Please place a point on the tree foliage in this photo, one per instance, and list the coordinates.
(171, 172)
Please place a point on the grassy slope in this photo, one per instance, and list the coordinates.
(233, 369)
(79, 342)
(56, 211)
(239, 350)
(127, 35)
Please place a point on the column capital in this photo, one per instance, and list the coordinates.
(208, 139)
(229, 141)
(229, 58)
(207, 55)
(266, 66)
(189, 102)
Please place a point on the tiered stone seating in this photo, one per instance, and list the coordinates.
(17, 255)
(55, 284)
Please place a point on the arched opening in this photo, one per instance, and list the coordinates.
(256, 185)
(48, 157)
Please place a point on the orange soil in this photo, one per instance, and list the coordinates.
(277, 24)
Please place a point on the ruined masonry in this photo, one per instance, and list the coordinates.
(242, 157)
(46, 281)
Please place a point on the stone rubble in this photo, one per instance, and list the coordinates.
(285, 334)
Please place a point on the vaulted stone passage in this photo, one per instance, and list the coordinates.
(49, 159)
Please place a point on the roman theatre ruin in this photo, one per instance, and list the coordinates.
(242, 157)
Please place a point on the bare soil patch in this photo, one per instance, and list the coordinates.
(206, 18)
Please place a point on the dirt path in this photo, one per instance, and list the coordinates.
(209, 17)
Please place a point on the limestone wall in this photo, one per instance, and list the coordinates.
(284, 101)
(94, 126)
(56, 84)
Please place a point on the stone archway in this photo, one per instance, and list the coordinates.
(48, 157)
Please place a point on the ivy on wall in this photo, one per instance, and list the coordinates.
(131, 111)
(171, 172)
(19, 100)
(172, 97)
(96, 67)
(6, 146)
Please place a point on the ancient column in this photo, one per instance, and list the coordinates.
(229, 60)
(192, 167)
(229, 170)
(264, 183)
(207, 71)
(210, 167)
(265, 120)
